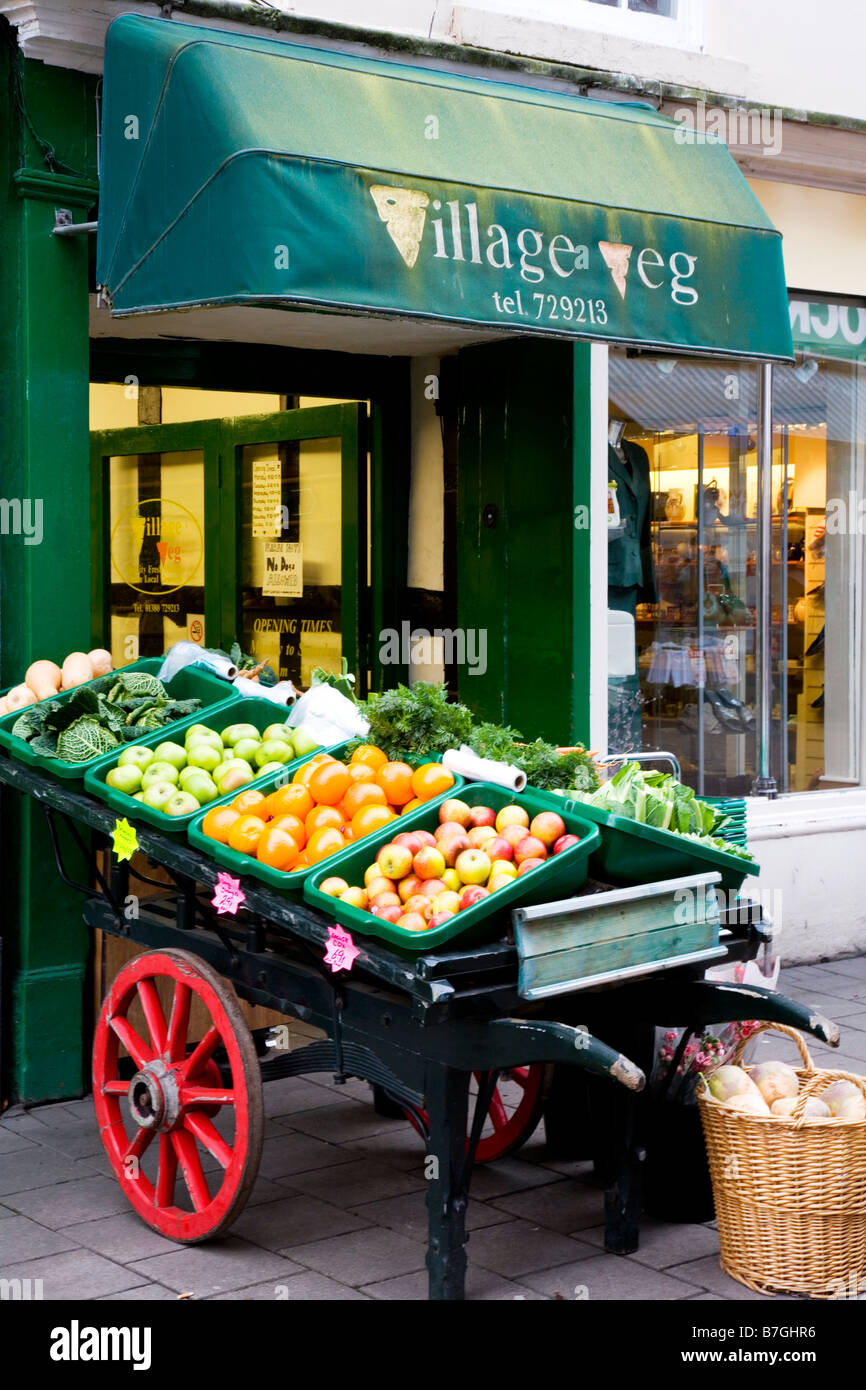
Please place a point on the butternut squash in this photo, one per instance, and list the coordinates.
(101, 661)
(43, 678)
(76, 670)
(19, 697)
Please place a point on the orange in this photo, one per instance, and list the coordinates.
(395, 779)
(292, 800)
(363, 794)
(292, 826)
(277, 849)
(369, 756)
(245, 834)
(370, 818)
(323, 818)
(322, 843)
(360, 772)
(430, 779)
(323, 758)
(329, 783)
(252, 803)
(218, 822)
(411, 806)
(304, 773)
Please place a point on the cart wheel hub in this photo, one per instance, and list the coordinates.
(154, 1096)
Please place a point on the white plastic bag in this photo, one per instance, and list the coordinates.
(183, 654)
(328, 716)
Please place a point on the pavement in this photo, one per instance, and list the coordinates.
(338, 1209)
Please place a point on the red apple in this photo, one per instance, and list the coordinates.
(472, 895)
(512, 815)
(473, 866)
(499, 848)
(355, 897)
(530, 847)
(497, 881)
(333, 886)
(529, 864)
(452, 880)
(482, 815)
(375, 886)
(446, 902)
(388, 914)
(394, 860)
(565, 842)
(441, 918)
(372, 871)
(429, 862)
(479, 835)
(503, 868)
(425, 837)
(412, 921)
(431, 887)
(514, 833)
(408, 886)
(454, 810)
(411, 841)
(385, 900)
(448, 827)
(547, 827)
(420, 904)
(452, 845)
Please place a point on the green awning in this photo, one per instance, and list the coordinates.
(244, 170)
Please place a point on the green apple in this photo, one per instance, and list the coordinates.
(159, 772)
(204, 755)
(202, 787)
(270, 767)
(138, 796)
(221, 768)
(186, 773)
(278, 731)
(181, 804)
(203, 729)
(236, 775)
(169, 752)
(135, 757)
(273, 750)
(247, 748)
(210, 736)
(125, 779)
(159, 794)
(303, 743)
(235, 732)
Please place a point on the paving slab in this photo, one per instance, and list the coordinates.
(24, 1239)
(38, 1166)
(560, 1206)
(140, 1293)
(123, 1238)
(515, 1248)
(854, 967)
(482, 1285)
(362, 1257)
(218, 1267)
(341, 1124)
(708, 1273)
(295, 1093)
(663, 1244)
(299, 1153)
(295, 1220)
(408, 1214)
(11, 1140)
(610, 1277)
(358, 1181)
(830, 1005)
(74, 1274)
(492, 1180)
(67, 1203)
(308, 1287)
(399, 1148)
(827, 981)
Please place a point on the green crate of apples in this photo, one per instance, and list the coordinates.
(167, 781)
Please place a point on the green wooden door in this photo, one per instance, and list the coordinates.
(251, 529)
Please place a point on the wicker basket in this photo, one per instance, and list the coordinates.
(790, 1192)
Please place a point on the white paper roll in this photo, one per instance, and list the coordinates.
(468, 764)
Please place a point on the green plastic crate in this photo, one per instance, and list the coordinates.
(632, 853)
(293, 883)
(189, 684)
(734, 807)
(247, 710)
(559, 877)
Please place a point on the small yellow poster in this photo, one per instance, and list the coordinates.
(284, 570)
(266, 504)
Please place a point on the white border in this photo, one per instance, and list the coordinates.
(598, 480)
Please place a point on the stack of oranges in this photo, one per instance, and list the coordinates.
(325, 808)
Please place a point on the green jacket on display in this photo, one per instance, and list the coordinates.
(630, 558)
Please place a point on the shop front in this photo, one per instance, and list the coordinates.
(377, 355)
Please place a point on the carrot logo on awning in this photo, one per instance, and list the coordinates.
(616, 258)
(403, 210)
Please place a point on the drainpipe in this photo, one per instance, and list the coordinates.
(764, 784)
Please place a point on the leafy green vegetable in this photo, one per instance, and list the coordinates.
(658, 799)
(410, 721)
(344, 682)
(25, 726)
(84, 739)
(137, 683)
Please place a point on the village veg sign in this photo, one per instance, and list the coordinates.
(353, 238)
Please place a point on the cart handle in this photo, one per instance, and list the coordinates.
(611, 758)
(513, 1042)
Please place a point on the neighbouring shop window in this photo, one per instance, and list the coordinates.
(682, 558)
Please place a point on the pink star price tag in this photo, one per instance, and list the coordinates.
(228, 894)
(340, 950)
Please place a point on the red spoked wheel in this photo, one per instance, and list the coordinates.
(184, 1147)
(513, 1114)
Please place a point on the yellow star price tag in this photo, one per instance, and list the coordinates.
(125, 839)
